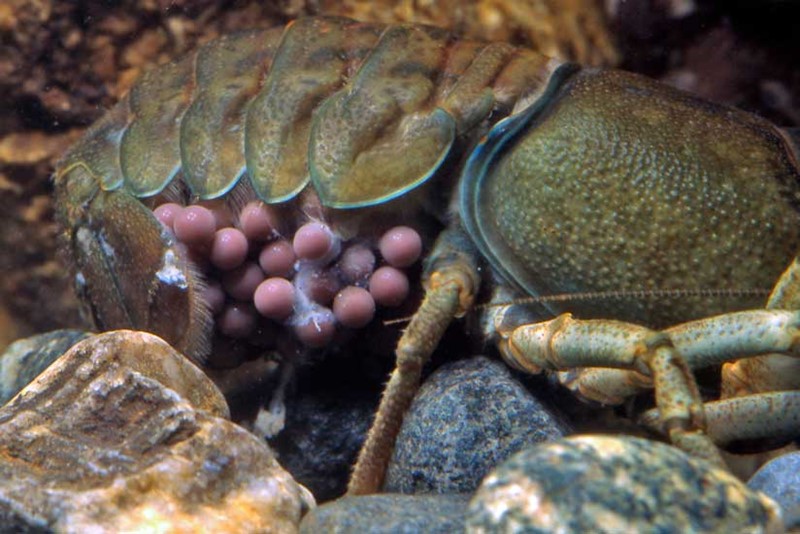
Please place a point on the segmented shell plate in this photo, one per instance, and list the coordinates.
(364, 112)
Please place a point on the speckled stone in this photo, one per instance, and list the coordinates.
(468, 417)
(615, 484)
(123, 433)
(390, 514)
(23, 360)
(779, 479)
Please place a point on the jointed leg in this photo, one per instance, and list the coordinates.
(744, 336)
(449, 293)
(564, 343)
(640, 354)
(770, 372)
(774, 415)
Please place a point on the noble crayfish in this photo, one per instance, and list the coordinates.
(292, 176)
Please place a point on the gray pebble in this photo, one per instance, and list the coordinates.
(615, 484)
(779, 479)
(323, 434)
(468, 416)
(389, 513)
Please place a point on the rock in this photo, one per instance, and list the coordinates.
(320, 442)
(468, 416)
(23, 360)
(779, 479)
(615, 484)
(123, 433)
(389, 513)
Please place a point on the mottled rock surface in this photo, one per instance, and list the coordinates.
(124, 433)
(469, 416)
(324, 432)
(615, 484)
(390, 514)
(23, 360)
(779, 479)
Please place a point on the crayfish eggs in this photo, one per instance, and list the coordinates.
(259, 267)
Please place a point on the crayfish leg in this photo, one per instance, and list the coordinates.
(452, 281)
(770, 372)
(567, 343)
(767, 415)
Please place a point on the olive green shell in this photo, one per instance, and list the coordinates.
(365, 112)
(612, 181)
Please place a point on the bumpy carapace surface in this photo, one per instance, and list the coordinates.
(561, 179)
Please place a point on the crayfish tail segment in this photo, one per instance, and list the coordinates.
(451, 285)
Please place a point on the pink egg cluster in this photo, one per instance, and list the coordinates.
(311, 281)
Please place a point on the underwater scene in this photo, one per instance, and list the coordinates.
(395, 266)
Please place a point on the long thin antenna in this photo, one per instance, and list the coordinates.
(641, 294)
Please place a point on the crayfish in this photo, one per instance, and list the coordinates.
(298, 173)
